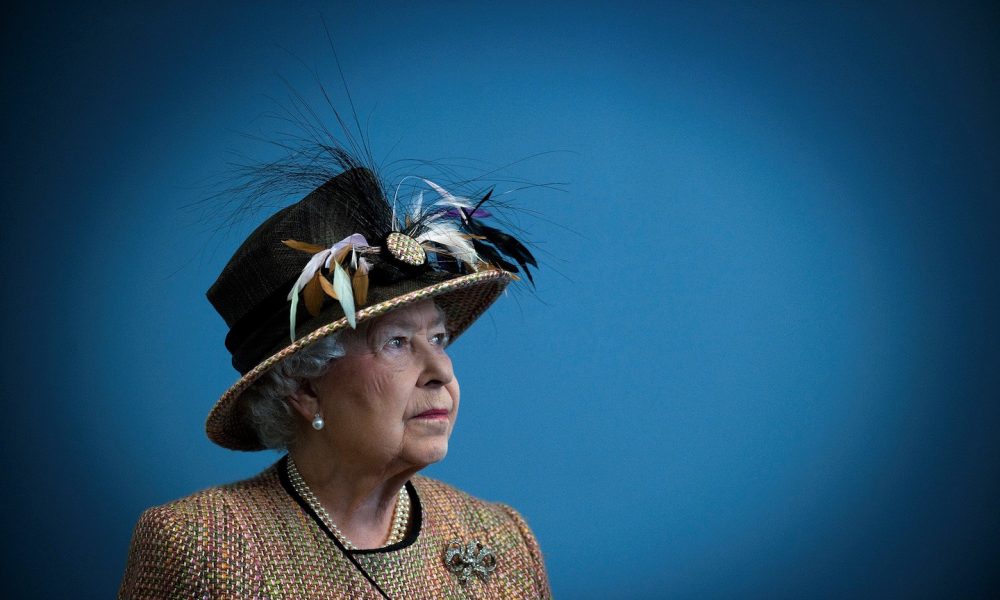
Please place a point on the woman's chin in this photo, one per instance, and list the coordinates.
(428, 453)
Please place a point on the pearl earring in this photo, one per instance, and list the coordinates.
(318, 422)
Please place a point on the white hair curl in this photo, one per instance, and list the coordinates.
(271, 417)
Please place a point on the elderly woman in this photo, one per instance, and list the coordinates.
(341, 308)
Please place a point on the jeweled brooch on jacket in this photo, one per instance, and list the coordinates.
(467, 560)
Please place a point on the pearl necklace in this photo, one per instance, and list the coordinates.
(400, 520)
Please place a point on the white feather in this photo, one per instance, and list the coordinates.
(415, 213)
(345, 295)
(445, 194)
(315, 264)
(447, 198)
(449, 236)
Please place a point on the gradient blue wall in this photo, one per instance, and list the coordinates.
(763, 356)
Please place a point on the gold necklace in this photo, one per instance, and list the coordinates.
(400, 520)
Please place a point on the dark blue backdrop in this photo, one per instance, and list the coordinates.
(763, 357)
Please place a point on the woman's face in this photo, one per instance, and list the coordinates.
(393, 398)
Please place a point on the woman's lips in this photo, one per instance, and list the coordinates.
(434, 413)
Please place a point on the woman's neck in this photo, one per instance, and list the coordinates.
(360, 501)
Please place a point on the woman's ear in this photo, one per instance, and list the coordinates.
(304, 401)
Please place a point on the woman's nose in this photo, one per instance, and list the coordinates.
(437, 369)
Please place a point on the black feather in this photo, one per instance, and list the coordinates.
(504, 242)
(493, 257)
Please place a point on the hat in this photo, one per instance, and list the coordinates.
(341, 256)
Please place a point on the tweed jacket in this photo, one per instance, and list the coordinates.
(259, 539)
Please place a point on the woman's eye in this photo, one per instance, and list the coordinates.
(395, 343)
(440, 339)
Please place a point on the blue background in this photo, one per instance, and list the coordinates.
(762, 360)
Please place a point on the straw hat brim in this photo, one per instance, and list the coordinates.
(463, 299)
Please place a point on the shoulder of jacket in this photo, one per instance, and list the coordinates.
(449, 498)
(173, 544)
(438, 491)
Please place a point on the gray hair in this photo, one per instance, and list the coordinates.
(271, 417)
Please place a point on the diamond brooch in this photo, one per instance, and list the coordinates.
(471, 559)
